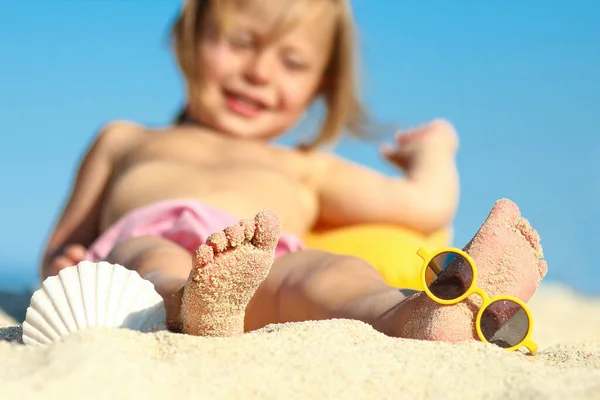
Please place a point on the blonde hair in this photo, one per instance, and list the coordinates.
(339, 92)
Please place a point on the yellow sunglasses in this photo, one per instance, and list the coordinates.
(505, 321)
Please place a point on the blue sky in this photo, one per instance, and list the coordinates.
(519, 79)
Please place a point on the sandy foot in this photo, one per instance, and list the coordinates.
(227, 271)
(507, 254)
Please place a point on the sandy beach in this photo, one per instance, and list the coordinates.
(313, 360)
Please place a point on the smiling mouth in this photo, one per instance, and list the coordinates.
(244, 105)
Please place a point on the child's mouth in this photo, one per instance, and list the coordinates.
(243, 105)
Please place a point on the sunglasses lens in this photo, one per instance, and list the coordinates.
(504, 323)
(447, 280)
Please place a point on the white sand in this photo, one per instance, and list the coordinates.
(316, 360)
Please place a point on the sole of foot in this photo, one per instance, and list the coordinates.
(507, 254)
(227, 270)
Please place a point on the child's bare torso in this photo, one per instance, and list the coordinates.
(237, 176)
(130, 166)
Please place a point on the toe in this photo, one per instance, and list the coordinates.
(204, 254)
(218, 241)
(268, 230)
(235, 235)
(505, 208)
(542, 268)
(531, 236)
(248, 226)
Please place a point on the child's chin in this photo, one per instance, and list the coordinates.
(244, 129)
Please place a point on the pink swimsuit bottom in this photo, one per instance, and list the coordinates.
(185, 222)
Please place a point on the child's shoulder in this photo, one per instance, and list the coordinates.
(120, 128)
(119, 135)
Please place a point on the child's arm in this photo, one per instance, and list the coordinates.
(352, 194)
(78, 224)
(425, 200)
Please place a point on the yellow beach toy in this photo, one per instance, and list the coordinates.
(392, 250)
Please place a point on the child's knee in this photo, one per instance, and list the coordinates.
(349, 264)
(338, 270)
(135, 250)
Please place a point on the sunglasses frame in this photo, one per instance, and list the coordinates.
(427, 257)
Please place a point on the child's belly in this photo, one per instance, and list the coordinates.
(241, 190)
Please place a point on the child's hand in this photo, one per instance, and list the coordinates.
(70, 255)
(397, 153)
(410, 145)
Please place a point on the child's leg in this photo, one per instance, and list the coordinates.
(162, 262)
(314, 285)
(233, 265)
(311, 285)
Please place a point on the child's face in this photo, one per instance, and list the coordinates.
(257, 85)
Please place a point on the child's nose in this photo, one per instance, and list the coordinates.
(259, 70)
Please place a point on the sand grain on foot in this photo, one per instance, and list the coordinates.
(227, 271)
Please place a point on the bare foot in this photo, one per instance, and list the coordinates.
(507, 255)
(433, 140)
(227, 271)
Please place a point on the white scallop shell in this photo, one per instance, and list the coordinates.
(90, 295)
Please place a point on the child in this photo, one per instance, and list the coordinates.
(166, 202)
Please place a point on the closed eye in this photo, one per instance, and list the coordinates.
(294, 64)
